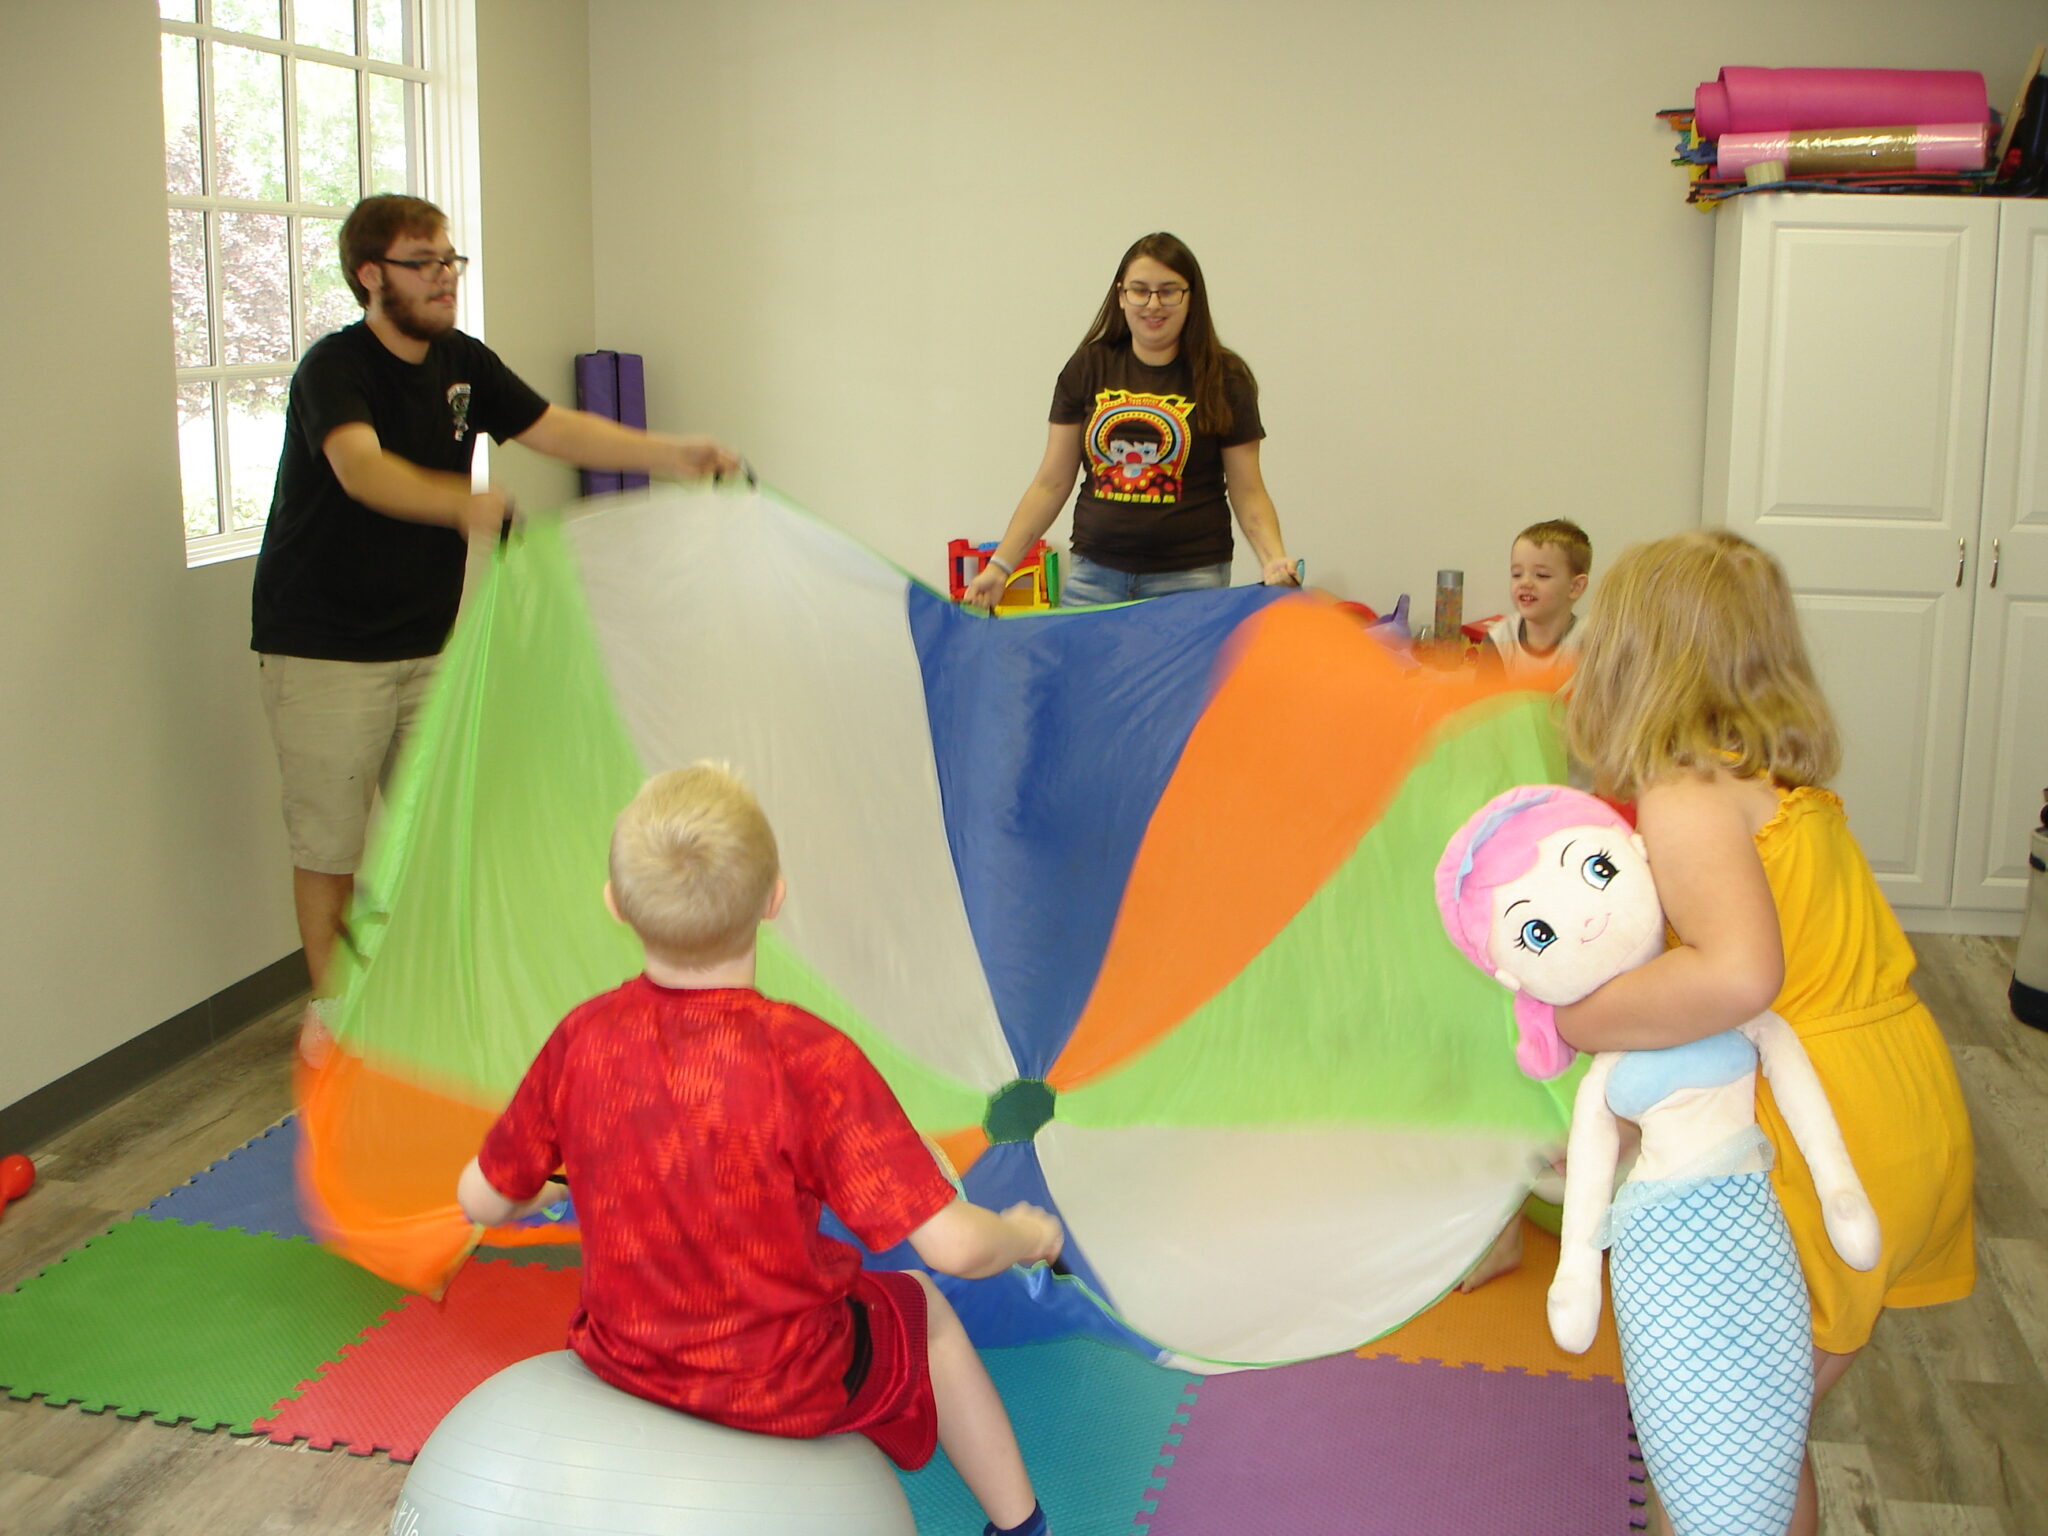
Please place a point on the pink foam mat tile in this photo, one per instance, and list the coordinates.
(390, 1387)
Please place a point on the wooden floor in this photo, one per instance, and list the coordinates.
(1940, 1429)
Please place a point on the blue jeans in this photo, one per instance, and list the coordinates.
(1084, 584)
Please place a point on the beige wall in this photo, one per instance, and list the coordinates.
(860, 239)
(533, 121)
(146, 868)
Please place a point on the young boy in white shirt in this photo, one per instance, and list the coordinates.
(1548, 568)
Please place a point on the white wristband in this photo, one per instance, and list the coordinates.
(1002, 565)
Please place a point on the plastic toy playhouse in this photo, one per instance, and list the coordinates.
(1033, 587)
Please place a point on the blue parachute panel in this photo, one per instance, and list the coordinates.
(1047, 802)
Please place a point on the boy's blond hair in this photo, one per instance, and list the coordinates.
(693, 862)
(1562, 533)
(1693, 660)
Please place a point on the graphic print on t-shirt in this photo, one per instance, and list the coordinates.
(1138, 445)
(458, 402)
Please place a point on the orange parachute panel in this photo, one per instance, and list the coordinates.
(383, 1200)
(962, 1147)
(1264, 806)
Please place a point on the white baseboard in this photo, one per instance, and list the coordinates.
(2003, 925)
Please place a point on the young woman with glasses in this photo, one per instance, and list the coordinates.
(1161, 421)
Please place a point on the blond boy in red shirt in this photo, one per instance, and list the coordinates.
(703, 1126)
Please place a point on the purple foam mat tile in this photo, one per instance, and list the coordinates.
(1393, 1448)
(1141, 1521)
(1638, 1483)
(253, 1189)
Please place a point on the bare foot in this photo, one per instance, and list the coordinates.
(1504, 1257)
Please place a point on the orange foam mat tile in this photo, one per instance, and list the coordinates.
(1502, 1325)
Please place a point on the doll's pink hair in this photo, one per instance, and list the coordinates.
(1497, 845)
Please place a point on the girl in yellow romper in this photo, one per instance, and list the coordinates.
(1694, 697)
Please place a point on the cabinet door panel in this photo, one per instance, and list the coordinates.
(2005, 765)
(1874, 384)
(1904, 831)
(1851, 361)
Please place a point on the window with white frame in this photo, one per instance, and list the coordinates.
(279, 115)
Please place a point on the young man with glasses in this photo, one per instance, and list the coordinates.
(362, 562)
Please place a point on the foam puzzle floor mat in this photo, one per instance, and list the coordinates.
(183, 1322)
(398, 1380)
(253, 1189)
(1096, 1425)
(211, 1306)
(1386, 1447)
(1504, 1325)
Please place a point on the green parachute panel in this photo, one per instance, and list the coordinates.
(512, 779)
(1413, 1026)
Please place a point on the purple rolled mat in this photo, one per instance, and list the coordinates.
(612, 385)
(1746, 99)
(597, 391)
(632, 404)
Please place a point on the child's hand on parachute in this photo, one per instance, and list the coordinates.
(1039, 1228)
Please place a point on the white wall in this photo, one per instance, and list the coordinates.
(859, 239)
(533, 121)
(145, 866)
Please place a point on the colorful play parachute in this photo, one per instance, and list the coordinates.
(1133, 907)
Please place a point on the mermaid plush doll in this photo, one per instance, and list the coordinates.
(1548, 891)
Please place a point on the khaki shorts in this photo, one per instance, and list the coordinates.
(337, 726)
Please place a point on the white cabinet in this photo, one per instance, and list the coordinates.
(1878, 419)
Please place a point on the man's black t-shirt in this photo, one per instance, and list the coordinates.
(1152, 493)
(336, 580)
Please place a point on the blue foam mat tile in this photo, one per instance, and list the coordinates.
(253, 1189)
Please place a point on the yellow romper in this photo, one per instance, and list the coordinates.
(1887, 1072)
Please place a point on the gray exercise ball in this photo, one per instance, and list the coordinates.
(545, 1447)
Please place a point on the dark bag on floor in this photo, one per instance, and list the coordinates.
(2029, 991)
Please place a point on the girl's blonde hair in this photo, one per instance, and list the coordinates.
(1693, 660)
(692, 864)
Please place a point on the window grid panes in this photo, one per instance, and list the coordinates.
(278, 116)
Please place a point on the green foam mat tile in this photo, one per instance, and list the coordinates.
(183, 1322)
(544, 1255)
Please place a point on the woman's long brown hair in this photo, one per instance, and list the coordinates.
(1208, 359)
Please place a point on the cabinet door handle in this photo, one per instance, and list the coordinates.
(1961, 545)
(1994, 562)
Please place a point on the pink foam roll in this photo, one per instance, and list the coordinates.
(1746, 99)
(1820, 151)
(1951, 146)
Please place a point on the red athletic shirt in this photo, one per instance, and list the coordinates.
(700, 1131)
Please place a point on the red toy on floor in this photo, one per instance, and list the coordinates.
(17, 1177)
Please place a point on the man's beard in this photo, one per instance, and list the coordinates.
(413, 318)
